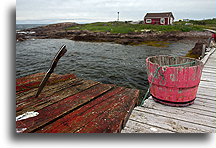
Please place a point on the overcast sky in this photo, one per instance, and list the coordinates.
(86, 11)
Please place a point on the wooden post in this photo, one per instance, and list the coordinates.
(203, 51)
(209, 42)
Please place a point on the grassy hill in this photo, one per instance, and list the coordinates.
(122, 27)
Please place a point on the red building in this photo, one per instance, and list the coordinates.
(165, 18)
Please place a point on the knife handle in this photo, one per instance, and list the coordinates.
(60, 53)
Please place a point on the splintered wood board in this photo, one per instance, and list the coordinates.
(69, 104)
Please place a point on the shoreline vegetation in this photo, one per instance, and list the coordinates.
(122, 32)
(127, 27)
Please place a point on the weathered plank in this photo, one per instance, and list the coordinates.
(210, 67)
(208, 56)
(206, 98)
(137, 127)
(210, 63)
(51, 97)
(35, 83)
(108, 120)
(30, 100)
(48, 89)
(208, 78)
(207, 93)
(167, 123)
(208, 70)
(30, 78)
(207, 84)
(56, 110)
(184, 116)
(206, 102)
(212, 57)
(204, 108)
(205, 74)
(178, 110)
(80, 117)
(206, 90)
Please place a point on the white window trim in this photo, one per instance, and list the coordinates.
(162, 22)
(148, 21)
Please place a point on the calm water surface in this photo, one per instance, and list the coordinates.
(27, 26)
(104, 62)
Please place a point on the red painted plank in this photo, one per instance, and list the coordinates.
(83, 115)
(33, 78)
(50, 113)
(35, 83)
(48, 90)
(98, 107)
(111, 121)
(22, 80)
(51, 97)
(52, 80)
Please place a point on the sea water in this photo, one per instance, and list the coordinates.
(123, 65)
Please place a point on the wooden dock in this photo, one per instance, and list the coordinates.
(200, 117)
(69, 104)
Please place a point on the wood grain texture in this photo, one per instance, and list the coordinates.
(35, 82)
(68, 104)
(199, 117)
(45, 99)
(80, 117)
(138, 127)
(112, 120)
(51, 112)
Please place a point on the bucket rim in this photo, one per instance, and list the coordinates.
(197, 60)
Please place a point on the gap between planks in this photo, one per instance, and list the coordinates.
(190, 118)
(134, 126)
(164, 122)
(57, 110)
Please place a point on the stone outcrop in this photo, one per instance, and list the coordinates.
(59, 31)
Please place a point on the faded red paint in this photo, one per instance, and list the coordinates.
(100, 115)
(174, 85)
(71, 106)
(156, 21)
(49, 113)
(214, 36)
(25, 85)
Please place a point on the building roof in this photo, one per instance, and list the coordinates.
(163, 14)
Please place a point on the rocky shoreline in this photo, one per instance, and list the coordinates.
(59, 31)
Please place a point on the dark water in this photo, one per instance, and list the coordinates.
(104, 62)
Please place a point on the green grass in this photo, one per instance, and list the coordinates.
(206, 24)
(122, 27)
